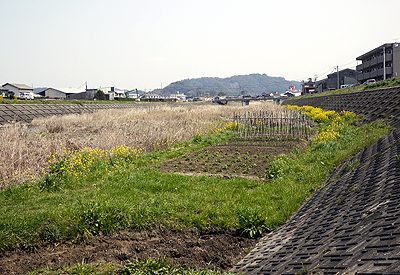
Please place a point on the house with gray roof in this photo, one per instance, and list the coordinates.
(17, 89)
(61, 93)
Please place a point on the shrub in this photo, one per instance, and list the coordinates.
(252, 224)
(11, 95)
(100, 95)
(276, 167)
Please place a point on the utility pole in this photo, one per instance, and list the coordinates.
(337, 70)
(384, 63)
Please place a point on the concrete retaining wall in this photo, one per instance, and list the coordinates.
(27, 112)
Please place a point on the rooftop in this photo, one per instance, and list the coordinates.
(19, 86)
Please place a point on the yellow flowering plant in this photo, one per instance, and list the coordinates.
(333, 122)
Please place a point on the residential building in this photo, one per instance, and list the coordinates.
(152, 96)
(133, 94)
(60, 93)
(346, 77)
(292, 92)
(308, 88)
(380, 63)
(17, 89)
(112, 93)
(178, 97)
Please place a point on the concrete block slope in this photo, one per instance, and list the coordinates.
(372, 104)
(350, 226)
(28, 112)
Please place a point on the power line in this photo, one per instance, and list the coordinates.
(348, 63)
(81, 86)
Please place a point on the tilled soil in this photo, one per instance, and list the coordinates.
(218, 249)
(232, 160)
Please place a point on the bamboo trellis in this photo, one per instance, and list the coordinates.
(272, 124)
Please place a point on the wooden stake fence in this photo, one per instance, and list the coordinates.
(272, 124)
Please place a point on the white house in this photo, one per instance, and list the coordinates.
(133, 94)
(179, 97)
(152, 96)
(119, 93)
(112, 93)
(293, 93)
(17, 89)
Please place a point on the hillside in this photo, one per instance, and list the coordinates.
(253, 84)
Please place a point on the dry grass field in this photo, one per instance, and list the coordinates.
(26, 148)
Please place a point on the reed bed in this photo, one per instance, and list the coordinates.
(26, 148)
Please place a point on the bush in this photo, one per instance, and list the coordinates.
(252, 224)
(100, 95)
(11, 95)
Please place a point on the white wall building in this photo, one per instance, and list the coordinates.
(17, 89)
(178, 97)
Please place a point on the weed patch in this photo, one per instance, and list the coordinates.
(252, 223)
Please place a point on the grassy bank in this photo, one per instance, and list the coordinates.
(91, 190)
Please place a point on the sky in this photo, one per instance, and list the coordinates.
(148, 44)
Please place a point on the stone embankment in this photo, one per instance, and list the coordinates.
(352, 224)
(27, 112)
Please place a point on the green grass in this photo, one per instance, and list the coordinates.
(156, 267)
(107, 194)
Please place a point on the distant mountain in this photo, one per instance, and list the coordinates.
(253, 84)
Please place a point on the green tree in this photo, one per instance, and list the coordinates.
(11, 95)
(100, 95)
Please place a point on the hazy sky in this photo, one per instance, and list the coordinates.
(143, 43)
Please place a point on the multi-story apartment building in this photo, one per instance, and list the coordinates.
(380, 63)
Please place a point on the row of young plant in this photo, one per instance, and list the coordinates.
(90, 191)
